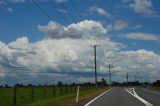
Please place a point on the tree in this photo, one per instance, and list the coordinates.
(157, 83)
(6, 86)
(59, 83)
(103, 81)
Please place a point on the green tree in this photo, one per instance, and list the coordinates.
(59, 83)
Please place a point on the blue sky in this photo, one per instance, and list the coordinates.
(25, 16)
(134, 24)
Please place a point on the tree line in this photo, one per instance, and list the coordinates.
(103, 82)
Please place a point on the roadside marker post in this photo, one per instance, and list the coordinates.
(77, 94)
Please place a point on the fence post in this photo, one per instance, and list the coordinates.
(44, 91)
(33, 93)
(54, 90)
(71, 89)
(82, 88)
(66, 89)
(75, 89)
(61, 90)
(14, 95)
(77, 97)
(87, 87)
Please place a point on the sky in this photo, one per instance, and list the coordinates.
(46, 41)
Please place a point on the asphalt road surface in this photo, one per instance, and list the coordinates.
(120, 97)
(151, 97)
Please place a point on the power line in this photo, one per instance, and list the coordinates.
(64, 6)
(65, 19)
(45, 13)
(91, 45)
(52, 5)
(42, 10)
(72, 18)
(76, 9)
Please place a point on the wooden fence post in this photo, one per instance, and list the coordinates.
(61, 90)
(44, 91)
(66, 89)
(71, 89)
(75, 89)
(14, 95)
(33, 93)
(54, 90)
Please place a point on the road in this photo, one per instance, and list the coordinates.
(118, 96)
(151, 97)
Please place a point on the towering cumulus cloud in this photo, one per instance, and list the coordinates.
(65, 52)
(82, 29)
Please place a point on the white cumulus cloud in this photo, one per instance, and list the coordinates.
(117, 25)
(17, 1)
(60, 1)
(75, 30)
(120, 24)
(9, 9)
(144, 7)
(70, 58)
(99, 10)
(142, 36)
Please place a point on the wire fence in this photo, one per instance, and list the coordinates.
(20, 96)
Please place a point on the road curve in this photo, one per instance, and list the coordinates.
(151, 97)
(117, 97)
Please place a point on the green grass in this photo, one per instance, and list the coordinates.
(6, 96)
(156, 89)
(59, 100)
(24, 95)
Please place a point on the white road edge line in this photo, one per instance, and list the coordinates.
(139, 98)
(152, 91)
(87, 104)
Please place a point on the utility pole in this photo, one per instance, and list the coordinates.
(95, 61)
(109, 74)
(127, 78)
(110, 66)
(141, 79)
(135, 78)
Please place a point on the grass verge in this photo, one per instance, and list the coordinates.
(156, 89)
(69, 100)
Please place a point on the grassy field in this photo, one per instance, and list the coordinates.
(69, 100)
(156, 89)
(24, 95)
